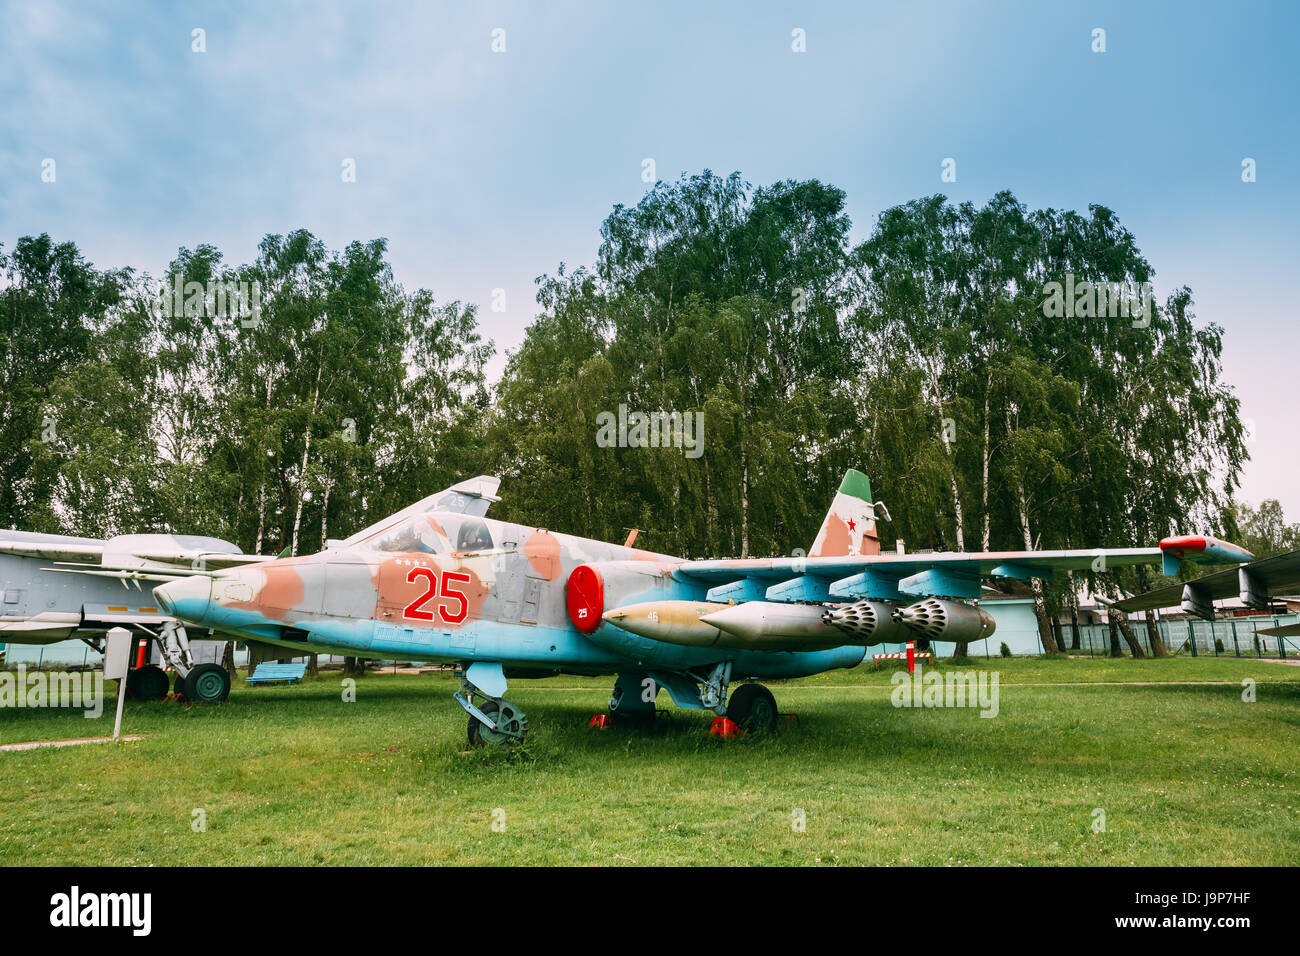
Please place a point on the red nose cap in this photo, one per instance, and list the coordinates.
(585, 596)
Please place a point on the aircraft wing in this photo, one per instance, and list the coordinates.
(1251, 582)
(146, 556)
(1286, 630)
(52, 548)
(1218, 585)
(899, 576)
(211, 560)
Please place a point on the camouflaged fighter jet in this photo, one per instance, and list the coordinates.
(439, 581)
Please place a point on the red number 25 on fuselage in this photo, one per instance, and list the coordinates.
(440, 587)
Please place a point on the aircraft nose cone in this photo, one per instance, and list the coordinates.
(187, 599)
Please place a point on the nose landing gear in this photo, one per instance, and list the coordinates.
(511, 725)
(496, 722)
(205, 683)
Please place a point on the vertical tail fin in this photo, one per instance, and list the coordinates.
(850, 525)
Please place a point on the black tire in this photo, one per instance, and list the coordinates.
(753, 709)
(147, 683)
(481, 736)
(627, 703)
(207, 684)
(178, 687)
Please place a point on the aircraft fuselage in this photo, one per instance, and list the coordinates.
(457, 588)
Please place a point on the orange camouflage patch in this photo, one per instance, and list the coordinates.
(281, 591)
(542, 550)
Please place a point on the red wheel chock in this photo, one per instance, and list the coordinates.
(725, 727)
(600, 721)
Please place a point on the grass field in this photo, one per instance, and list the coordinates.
(1186, 774)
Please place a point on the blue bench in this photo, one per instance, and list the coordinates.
(270, 673)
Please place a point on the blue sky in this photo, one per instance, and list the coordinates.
(485, 170)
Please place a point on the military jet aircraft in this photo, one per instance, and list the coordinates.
(1254, 583)
(439, 581)
(55, 587)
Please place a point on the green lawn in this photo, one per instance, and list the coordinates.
(1186, 774)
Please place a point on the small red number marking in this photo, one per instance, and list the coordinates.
(414, 611)
(449, 593)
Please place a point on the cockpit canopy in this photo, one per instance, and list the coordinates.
(432, 534)
(467, 500)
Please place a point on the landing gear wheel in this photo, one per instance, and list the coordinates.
(206, 684)
(628, 703)
(753, 708)
(178, 687)
(510, 720)
(147, 683)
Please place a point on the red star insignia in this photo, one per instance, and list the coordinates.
(851, 524)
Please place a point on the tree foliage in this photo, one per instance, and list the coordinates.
(928, 356)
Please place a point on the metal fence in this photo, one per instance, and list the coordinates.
(1227, 637)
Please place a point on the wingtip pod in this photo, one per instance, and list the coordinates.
(1201, 549)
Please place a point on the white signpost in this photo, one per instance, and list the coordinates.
(117, 661)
